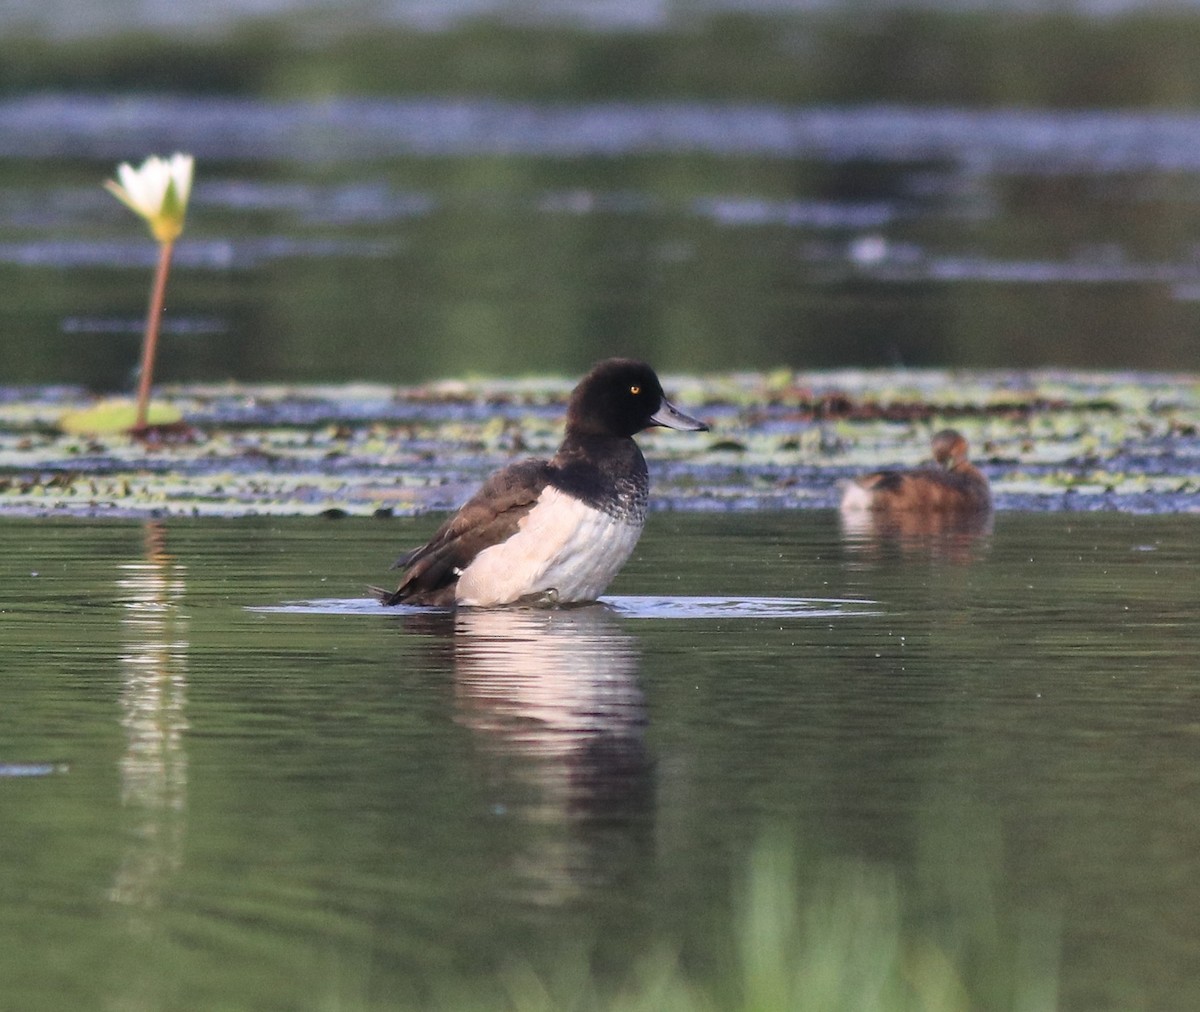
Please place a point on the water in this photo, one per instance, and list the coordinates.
(772, 187)
(961, 762)
(59, 18)
(227, 782)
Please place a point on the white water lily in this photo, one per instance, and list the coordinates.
(158, 191)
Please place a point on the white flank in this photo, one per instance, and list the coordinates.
(564, 549)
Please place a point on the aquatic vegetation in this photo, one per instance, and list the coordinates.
(1046, 440)
(157, 192)
(821, 935)
(118, 415)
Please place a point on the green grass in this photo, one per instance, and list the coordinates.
(843, 936)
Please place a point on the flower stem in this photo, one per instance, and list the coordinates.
(150, 337)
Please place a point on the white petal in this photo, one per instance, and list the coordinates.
(156, 175)
(130, 183)
(181, 172)
(140, 186)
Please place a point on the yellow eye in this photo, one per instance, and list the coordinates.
(635, 390)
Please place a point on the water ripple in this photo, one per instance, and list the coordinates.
(637, 607)
(202, 254)
(1000, 140)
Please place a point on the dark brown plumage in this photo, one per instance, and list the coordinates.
(487, 518)
(955, 486)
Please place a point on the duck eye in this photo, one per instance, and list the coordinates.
(635, 390)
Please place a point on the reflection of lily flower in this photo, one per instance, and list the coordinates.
(154, 683)
(157, 192)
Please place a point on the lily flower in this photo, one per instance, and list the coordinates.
(157, 192)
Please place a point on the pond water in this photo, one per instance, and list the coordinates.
(227, 781)
(759, 186)
(405, 239)
(783, 764)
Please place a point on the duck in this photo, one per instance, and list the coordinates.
(955, 486)
(557, 531)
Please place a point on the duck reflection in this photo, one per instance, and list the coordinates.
(153, 769)
(556, 687)
(553, 699)
(954, 537)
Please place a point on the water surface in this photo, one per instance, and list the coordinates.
(224, 802)
(402, 238)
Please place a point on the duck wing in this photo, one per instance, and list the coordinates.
(487, 518)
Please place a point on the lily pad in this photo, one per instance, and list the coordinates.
(1057, 441)
(106, 418)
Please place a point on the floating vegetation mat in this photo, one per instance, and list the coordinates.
(1047, 440)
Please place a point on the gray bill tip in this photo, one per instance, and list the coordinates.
(671, 417)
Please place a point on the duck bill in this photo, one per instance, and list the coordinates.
(671, 417)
